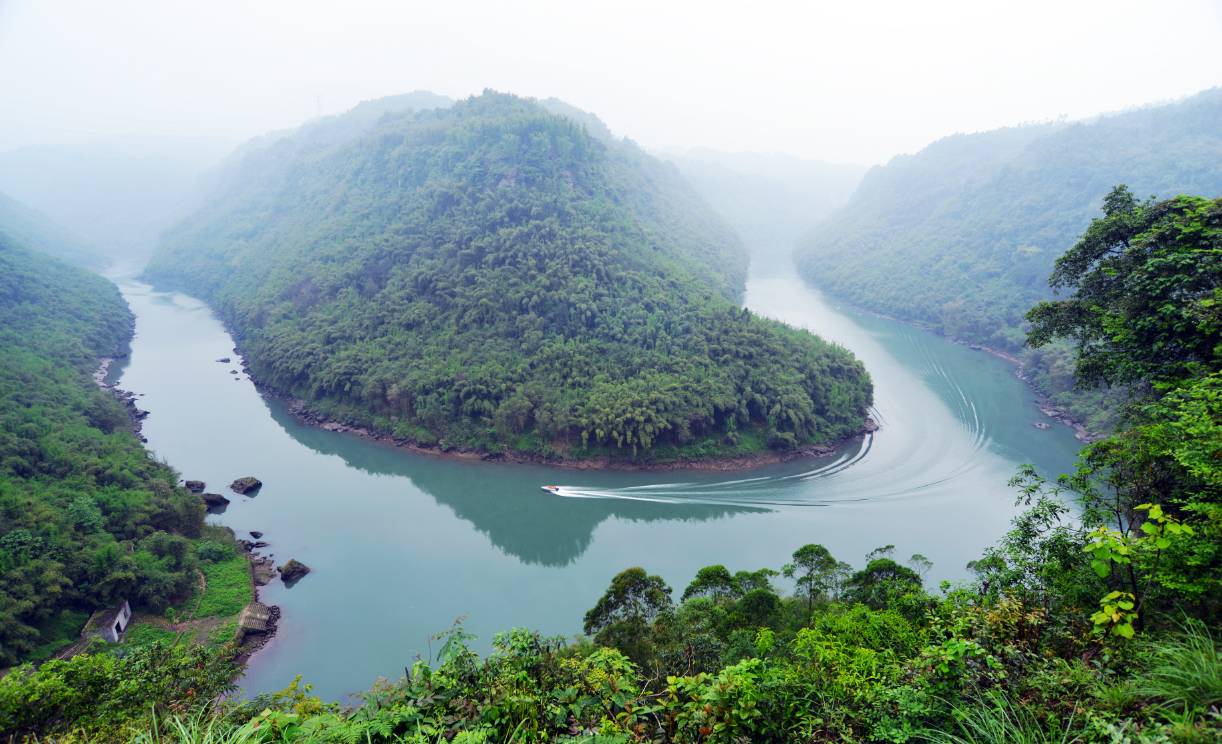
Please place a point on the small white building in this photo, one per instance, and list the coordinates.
(109, 624)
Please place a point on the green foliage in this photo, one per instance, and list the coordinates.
(864, 655)
(228, 587)
(974, 668)
(1185, 670)
(211, 551)
(106, 696)
(885, 583)
(141, 634)
(1146, 280)
(1147, 292)
(60, 631)
(962, 236)
(87, 516)
(622, 616)
(815, 572)
(494, 277)
(997, 718)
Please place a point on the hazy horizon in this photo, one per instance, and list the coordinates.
(842, 85)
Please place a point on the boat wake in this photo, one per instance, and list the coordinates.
(759, 492)
(922, 458)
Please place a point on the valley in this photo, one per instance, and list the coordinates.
(610, 373)
(383, 528)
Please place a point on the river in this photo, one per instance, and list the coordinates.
(401, 545)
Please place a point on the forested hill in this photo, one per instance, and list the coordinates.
(87, 516)
(20, 224)
(493, 276)
(963, 235)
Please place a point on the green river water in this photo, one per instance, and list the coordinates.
(401, 544)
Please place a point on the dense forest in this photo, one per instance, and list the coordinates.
(495, 276)
(1094, 620)
(961, 236)
(87, 516)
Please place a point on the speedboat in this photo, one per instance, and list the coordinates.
(552, 489)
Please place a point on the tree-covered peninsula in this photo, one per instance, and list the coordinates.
(492, 276)
(962, 235)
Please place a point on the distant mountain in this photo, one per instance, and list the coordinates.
(493, 276)
(117, 195)
(962, 236)
(770, 199)
(327, 131)
(31, 229)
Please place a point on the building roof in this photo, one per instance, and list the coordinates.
(104, 619)
(255, 617)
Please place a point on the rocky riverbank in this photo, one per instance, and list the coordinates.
(126, 398)
(1046, 406)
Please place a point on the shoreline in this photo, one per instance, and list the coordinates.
(1042, 401)
(299, 410)
(126, 398)
(302, 413)
(260, 566)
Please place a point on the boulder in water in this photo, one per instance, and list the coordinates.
(292, 571)
(246, 485)
(195, 486)
(214, 500)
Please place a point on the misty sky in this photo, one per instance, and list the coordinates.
(841, 81)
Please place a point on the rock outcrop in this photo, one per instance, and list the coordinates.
(292, 571)
(246, 485)
(214, 500)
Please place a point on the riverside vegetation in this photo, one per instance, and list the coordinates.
(492, 276)
(960, 236)
(87, 516)
(1094, 621)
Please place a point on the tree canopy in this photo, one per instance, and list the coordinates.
(87, 516)
(492, 276)
(961, 236)
(1147, 292)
